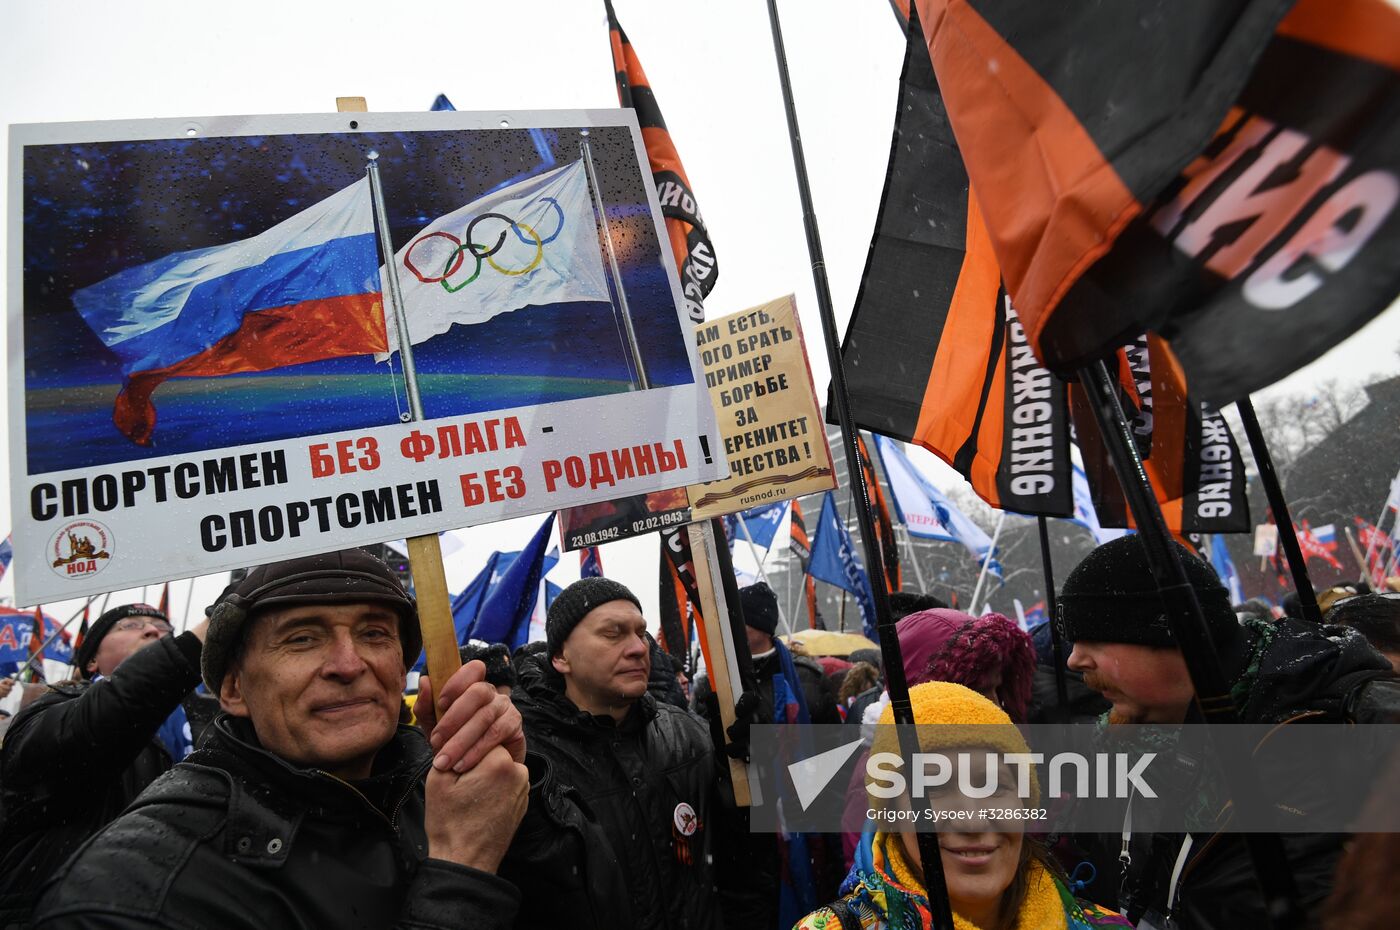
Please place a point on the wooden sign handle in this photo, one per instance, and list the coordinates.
(723, 670)
(434, 609)
(425, 561)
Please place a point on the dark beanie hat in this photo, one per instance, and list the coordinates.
(87, 651)
(350, 576)
(1111, 597)
(760, 607)
(574, 603)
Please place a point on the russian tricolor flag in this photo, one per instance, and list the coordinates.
(307, 289)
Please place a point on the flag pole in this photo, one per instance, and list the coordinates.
(395, 295)
(1297, 565)
(940, 907)
(1356, 553)
(633, 348)
(753, 550)
(986, 563)
(424, 552)
(33, 653)
(801, 580)
(913, 557)
(1057, 643)
(1375, 535)
(1188, 626)
(185, 617)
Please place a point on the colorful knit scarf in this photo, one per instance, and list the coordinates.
(887, 895)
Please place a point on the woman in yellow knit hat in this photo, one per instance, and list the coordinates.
(997, 880)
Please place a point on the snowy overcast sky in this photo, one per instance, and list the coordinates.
(711, 66)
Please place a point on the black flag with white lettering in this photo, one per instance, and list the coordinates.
(1186, 447)
(934, 353)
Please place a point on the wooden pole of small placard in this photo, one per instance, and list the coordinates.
(424, 552)
(719, 642)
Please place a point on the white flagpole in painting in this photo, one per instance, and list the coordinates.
(632, 346)
(395, 295)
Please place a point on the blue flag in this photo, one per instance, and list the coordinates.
(467, 605)
(1085, 514)
(17, 626)
(505, 614)
(926, 511)
(761, 522)
(7, 553)
(1225, 567)
(834, 561)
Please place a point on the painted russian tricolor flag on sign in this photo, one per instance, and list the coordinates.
(307, 289)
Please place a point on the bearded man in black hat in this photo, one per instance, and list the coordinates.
(1278, 672)
(81, 752)
(306, 805)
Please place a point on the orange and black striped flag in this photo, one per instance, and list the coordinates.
(82, 627)
(674, 621)
(970, 388)
(695, 256)
(884, 526)
(34, 669)
(164, 606)
(934, 354)
(690, 243)
(1224, 174)
(679, 598)
(800, 544)
(1187, 448)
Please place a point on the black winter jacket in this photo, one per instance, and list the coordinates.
(816, 689)
(235, 838)
(749, 872)
(75, 758)
(1300, 674)
(618, 831)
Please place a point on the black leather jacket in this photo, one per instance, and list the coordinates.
(618, 833)
(75, 758)
(238, 839)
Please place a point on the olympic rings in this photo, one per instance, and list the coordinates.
(534, 262)
(557, 229)
(456, 254)
(456, 259)
(448, 271)
(500, 241)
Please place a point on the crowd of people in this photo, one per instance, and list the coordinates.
(266, 770)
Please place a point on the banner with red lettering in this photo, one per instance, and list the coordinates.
(207, 371)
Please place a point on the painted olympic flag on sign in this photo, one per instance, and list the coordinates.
(245, 256)
(532, 243)
(307, 289)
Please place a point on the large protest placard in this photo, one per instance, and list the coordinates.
(756, 368)
(204, 363)
(774, 441)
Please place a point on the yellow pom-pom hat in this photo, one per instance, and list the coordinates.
(952, 717)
